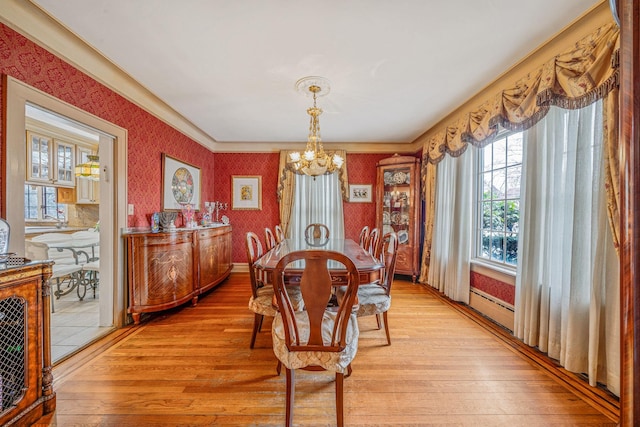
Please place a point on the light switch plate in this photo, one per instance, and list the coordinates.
(130, 209)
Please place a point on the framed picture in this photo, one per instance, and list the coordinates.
(360, 193)
(246, 192)
(180, 184)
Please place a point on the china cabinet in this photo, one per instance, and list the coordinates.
(398, 208)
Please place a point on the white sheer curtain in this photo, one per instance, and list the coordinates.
(567, 284)
(317, 200)
(452, 227)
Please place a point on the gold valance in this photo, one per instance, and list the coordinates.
(570, 80)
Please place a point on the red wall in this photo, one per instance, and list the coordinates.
(362, 170)
(503, 291)
(148, 136)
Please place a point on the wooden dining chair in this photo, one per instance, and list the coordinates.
(317, 338)
(279, 233)
(373, 243)
(261, 301)
(364, 237)
(375, 298)
(316, 231)
(269, 238)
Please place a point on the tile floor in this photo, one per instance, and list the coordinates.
(74, 325)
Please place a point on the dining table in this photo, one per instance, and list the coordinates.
(370, 269)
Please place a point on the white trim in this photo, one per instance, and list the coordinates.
(493, 271)
(113, 191)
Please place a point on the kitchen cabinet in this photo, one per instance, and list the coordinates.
(399, 208)
(50, 161)
(87, 190)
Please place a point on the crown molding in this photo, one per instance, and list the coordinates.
(39, 27)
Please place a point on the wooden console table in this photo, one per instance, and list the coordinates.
(167, 269)
(26, 381)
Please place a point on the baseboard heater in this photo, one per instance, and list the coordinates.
(495, 309)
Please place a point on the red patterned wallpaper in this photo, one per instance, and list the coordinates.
(149, 137)
(362, 170)
(503, 291)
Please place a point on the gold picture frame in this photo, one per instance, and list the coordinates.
(180, 184)
(246, 192)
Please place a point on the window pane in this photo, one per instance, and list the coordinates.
(497, 251)
(512, 215)
(497, 216)
(486, 215)
(486, 244)
(512, 249)
(50, 201)
(513, 181)
(514, 149)
(30, 202)
(498, 187)
(486, 157)
(500, 153)
(486, 186)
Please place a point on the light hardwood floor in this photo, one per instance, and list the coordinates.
(193, 366)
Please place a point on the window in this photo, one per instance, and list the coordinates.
(315, 200)
(41, 202)
(498, 195)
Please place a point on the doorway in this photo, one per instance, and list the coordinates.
(112, 216)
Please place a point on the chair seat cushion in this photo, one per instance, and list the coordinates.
(263, 303)
(372, 299)
(331, 361)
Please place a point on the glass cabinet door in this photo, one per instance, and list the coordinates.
(396, 204)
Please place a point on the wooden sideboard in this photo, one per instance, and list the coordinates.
(26, 380)
(167, 269)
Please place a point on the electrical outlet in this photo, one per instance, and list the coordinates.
(130, 209)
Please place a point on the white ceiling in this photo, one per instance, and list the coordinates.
(396, 67)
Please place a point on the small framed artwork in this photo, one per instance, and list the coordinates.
(246, 192)
(360, 193)
(180, 184)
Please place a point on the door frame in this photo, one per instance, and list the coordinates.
(113, 183)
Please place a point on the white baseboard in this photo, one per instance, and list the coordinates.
(497, 310)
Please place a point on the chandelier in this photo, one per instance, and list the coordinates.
(315, 161)
(89, 170)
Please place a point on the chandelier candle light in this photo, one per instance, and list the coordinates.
(314, 161)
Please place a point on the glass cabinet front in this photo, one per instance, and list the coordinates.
(396, 203)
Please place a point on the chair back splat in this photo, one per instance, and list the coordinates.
(316, 231)
(364, 237)
(279, 233)
(318, 338)
(269, 238)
